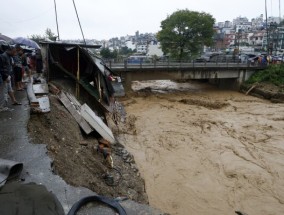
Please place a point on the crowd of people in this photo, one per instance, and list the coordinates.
(15, 63)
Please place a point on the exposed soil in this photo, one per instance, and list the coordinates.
(265, 91)
(76, 159)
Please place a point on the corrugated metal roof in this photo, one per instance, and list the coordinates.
(70, 44)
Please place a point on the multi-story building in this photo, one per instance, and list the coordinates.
(141, 48)
(257, 23)
(240, 21)
(228, 24)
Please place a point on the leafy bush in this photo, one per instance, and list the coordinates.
(273, 74)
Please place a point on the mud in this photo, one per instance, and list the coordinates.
(76, 159)
(207, 151)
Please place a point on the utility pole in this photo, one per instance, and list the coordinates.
(267, 35)
(279, 11)
(56, 20)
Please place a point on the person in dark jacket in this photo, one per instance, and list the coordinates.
(6, 71)
(18, 68)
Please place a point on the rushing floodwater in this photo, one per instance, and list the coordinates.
(207, 151)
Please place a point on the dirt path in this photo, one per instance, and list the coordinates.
(208, 152)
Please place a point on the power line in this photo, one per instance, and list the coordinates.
(79, 22)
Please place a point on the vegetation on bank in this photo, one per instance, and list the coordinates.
(274, 74)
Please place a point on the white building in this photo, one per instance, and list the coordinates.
(228, 24)
(244, 27)
(155, 50)
(273, 19)
(240, 21)
(221, 24)
(131, 45)
(257, 23)
(142, 48)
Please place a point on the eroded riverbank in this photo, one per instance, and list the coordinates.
(206, 151)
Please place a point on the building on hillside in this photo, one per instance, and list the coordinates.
(240, 21)
(272, 19)
(245, 27)
(256, 39)
(276, 40)
(257, 23)
(220, 24)
(154, 50)
(131, 45)
(228, 24)
(141, 48)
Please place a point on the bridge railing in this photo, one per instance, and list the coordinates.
(179, 64)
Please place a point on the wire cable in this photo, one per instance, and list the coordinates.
(56, 19)
(79, 22)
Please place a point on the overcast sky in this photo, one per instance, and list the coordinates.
(104, 19)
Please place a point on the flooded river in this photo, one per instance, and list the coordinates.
(206, 151)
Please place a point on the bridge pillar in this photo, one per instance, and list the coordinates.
(127, 82)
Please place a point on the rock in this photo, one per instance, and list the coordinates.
(83, 143)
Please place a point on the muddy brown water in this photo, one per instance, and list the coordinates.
(207, 151)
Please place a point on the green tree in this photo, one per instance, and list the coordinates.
(36, 37)
(50, 35)
(185, 32)
(106, 53)
(125, 51)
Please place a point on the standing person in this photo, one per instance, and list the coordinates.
(6, 71)
(25, 64)
(32, 62)
(38, 61)
(18, 68)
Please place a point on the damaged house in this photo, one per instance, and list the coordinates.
(77, 71)
(82, 73)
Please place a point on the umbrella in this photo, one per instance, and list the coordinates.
(3, 42)
(5, 38)
(27, 42)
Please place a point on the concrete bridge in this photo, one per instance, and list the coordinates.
(225, 75)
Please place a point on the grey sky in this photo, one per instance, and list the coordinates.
(103, 19)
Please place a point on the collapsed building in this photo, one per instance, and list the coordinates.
(78, 70)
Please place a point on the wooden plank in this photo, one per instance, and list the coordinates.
(32, 98)
(73, 100)
(79, 119)
(97, 123)
(40, 89)
(44, 104)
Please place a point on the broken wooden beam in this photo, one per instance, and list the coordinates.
(72, 110)
(97, 123)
